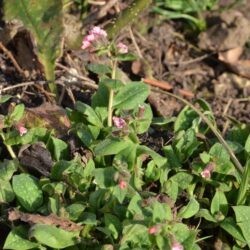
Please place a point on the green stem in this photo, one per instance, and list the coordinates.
(211, 126)
(111, 95)
(128, 16)
(9, 148)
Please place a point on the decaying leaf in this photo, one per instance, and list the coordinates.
(51, 219)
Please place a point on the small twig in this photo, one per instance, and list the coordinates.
(197, 59)
(11, 57)
(88, 82)
(210, 125)
(23, 84)
(135, 43)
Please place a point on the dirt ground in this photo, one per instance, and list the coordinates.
(213, 65)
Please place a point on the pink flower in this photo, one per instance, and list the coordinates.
(123, 184)
(177, 246)
(97, 31)
(122, 48)
(85, 44)
(118, 122)
(206, 173)
(153, 230)
(21, 129)
(94, 35)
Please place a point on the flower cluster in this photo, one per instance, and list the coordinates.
(95, 34)
(118, 122)
(21, 129)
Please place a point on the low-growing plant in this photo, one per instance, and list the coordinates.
(122, 194)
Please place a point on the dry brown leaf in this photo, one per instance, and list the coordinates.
(186, 93)
(48, 220)
(231, 56)
(160, 84)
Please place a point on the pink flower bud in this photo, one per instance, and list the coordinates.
(177, 246)
(21, 129)
(85, 44)
(122, 48)
(153, 230)
(90, 38)
(206, 173)
(97, 31)
(123, 184)
(118, 122)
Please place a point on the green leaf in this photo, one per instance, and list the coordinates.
(185, 119)
(219, 203)
(101, 97)
(27, 191)
(119, 193)
(247, 145)
(59, 148)
(173, 160)
(242, 214)
(183, 179)
(219, 153)
(87, 134)
(4, 98)
(99, 69)
(230, 226)
(112, 83)
(52, 236)
(143, 123)
(75, 211)
(136, 234)
(17, 240)
(161, 212)
(89, 113)
(113, 224)
(104, 177)
(17, 113)
(111, 146)
(190, 209)
(6, 192)
(126, 57)
(204, 213)
(7, 169)
(131, 95)
(45, 22)
(170, 187)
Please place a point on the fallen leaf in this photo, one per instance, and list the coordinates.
(186, 93)
(51, 219)
(231, 56)
(159, 84)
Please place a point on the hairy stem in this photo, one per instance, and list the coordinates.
(128, 16)
(111, 95)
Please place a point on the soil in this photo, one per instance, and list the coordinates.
(188, 61)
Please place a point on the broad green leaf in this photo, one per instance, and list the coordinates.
(17, 113)
(229, 225)
(126, 57)
(190, 209)
(112, 83)
(119, 193)
(219, 153)
(4, 98)
(17, 239)
(242, 214)
(45, 22)
(161, 212)
(27, 191)
(219, 203)
(143, 123)
(113, 224)
(104, 177)
(183, 179)
(170, 187)
(204, 213)
(136, 234)
(75, 211)
(89, 113)
(89, 219)
(185, 119)
(173, 160)
(6, 192)
(152, 173)
(7, 169)
(52, 236)
(87, 134)
(101, 97)
(99, 69)
(111, 146)
(59, 148)
(131, 95)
